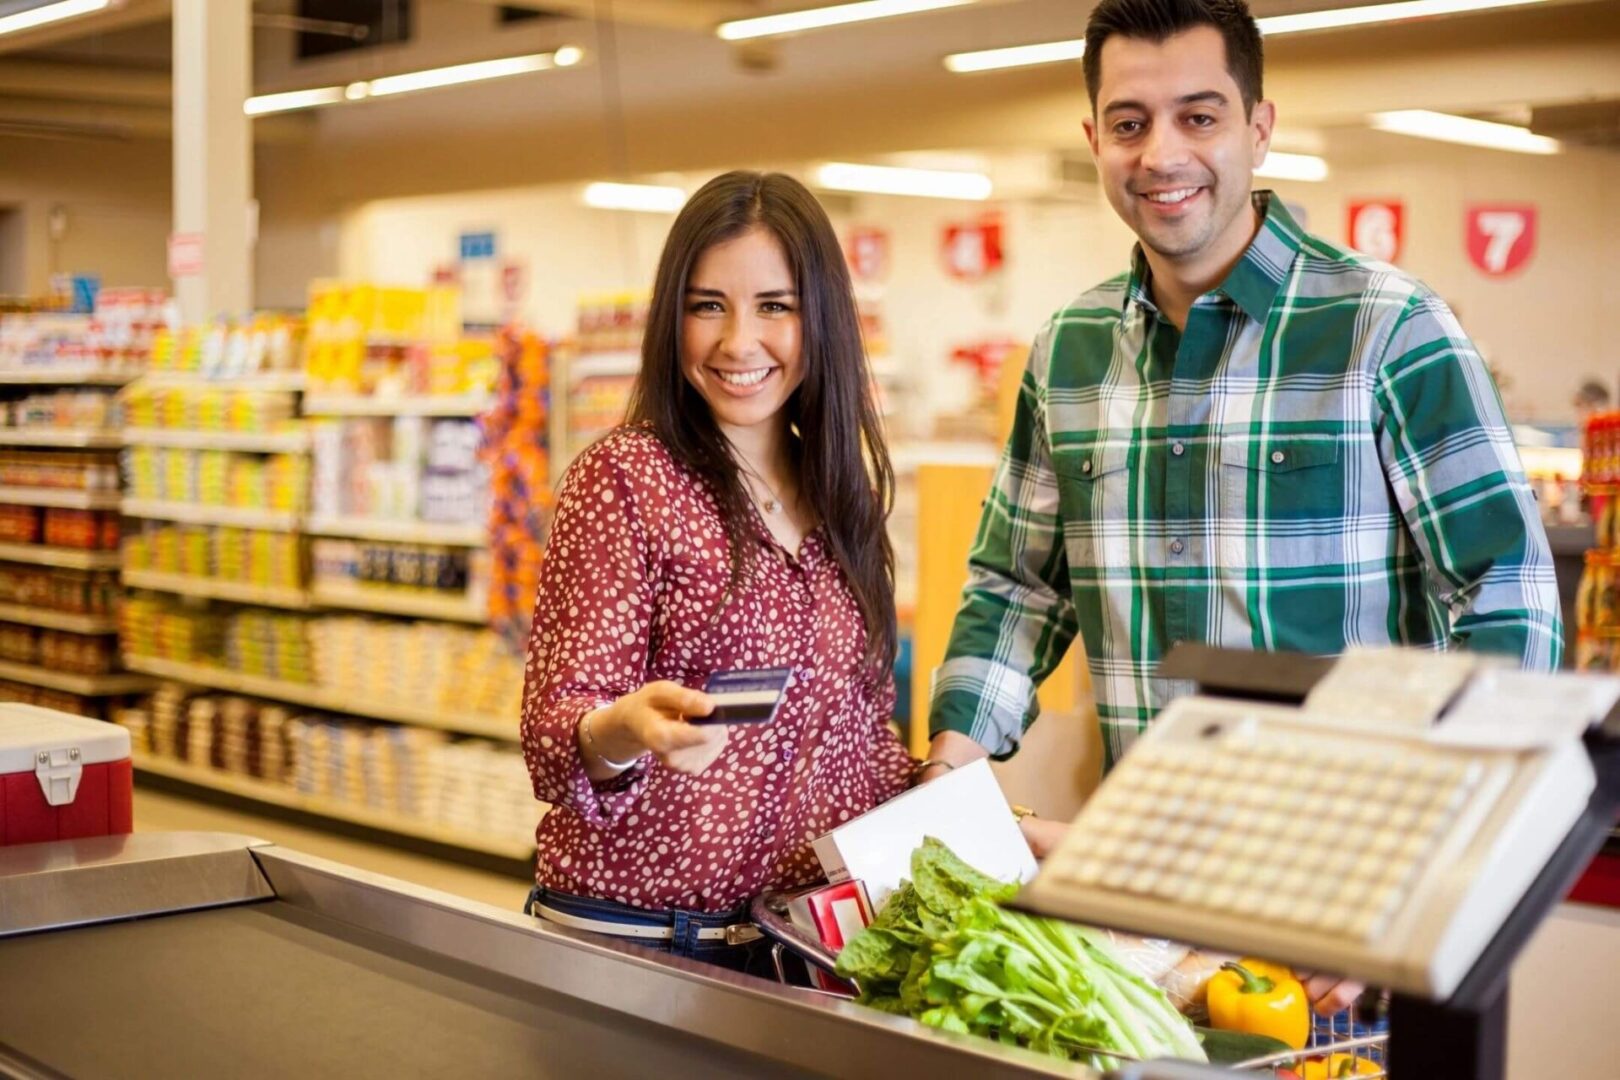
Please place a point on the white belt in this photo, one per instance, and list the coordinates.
(735, 934)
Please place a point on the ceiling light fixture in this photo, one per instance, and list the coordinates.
(1284, 166)
(889, 180)
(1053, 52)
(49, 13)
(646, 198)
(265, 104)
(1445, 127)
(793, 22)
(430, 79)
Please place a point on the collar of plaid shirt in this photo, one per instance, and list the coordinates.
(1319, 460)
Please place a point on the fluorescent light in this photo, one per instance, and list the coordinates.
(1053, 52)
(433, 78)
(292, 99)
(887, 180)
(567, 56)
(792, 22)
(1460, 129)
(1377, 13)
(648, 198)
(39, 16)
(1281, 166)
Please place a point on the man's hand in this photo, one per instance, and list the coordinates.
(1330, 994)
(1042, 835)
(952, 748)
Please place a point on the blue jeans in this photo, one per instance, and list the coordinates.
(752, 957)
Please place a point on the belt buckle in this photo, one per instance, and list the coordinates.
(742, 933)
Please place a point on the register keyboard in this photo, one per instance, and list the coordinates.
(1379, 854)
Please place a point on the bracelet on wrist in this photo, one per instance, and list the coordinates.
(921, 767)
(590, 744)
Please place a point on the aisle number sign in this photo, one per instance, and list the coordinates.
(1501, 237)
(185, 254)
(1378, 228)
(868, 254)
(477, 245)
(973, 249)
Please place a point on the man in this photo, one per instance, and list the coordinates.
(1254, 439)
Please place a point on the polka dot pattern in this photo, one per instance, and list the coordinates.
(633, 590)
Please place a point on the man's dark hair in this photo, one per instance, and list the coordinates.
(1157, 20)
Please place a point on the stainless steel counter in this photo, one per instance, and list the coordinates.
(184, 954)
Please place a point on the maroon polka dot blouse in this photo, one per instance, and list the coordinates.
(630, 593)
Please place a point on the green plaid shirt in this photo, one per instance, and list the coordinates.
(1320, 460)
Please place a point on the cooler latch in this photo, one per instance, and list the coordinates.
(59, 772)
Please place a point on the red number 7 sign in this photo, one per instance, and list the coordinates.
(1501, 238)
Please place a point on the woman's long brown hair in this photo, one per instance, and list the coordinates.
(840, 458)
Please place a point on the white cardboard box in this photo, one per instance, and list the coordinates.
(964, 808)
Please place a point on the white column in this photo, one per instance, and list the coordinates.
(213, 153)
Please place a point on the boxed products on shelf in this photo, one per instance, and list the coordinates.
(217, 477)
(254, 556)
(428, 568)
(429, 665)
(60, 700)
(72, 592)
(266, 342)
(470, 786)
(119, 336)
(73, 409)
(89, 530)
(61, 470)
(208, 408)
(369, 340)
(611, 322)
(406, 468)
(57, 650)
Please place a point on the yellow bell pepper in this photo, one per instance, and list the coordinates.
(1260, 998)
(1338, 1066)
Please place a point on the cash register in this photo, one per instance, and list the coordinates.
(1400, 818)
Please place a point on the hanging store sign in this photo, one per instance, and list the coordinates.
(477, 245)
(1501, 237)
(972, 249)
(185, 254)
(1378, 228)
(868, 253)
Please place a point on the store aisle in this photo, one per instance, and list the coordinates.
(160, 811)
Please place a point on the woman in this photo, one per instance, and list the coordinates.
(735, 521)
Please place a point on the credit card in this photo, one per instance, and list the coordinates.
(745, 697)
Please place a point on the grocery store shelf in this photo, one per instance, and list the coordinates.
(287, 442)
(395, 602)
(217, 588)
(68, 498)
(85, 685)
(30, 615)
(356, 405)
(609, 364)
(68, 376)
(72, 438)
(290, 381)
(68, 558)
(317, 697)
(405, 532)
(203, 514)
(248, 788)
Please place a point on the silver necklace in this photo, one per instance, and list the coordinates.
(772, 505)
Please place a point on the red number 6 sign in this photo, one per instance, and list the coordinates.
(1501, 238)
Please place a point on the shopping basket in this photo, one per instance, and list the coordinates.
(1358, 1035)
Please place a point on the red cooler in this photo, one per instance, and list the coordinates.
(61, 776)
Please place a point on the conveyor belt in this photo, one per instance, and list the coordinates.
(185, 955)
(250, 991)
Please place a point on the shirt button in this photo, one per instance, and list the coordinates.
(1178, 449)
(1278, 457)
(1177, 547)
(1085, 466)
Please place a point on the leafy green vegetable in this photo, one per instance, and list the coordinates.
(945, 952)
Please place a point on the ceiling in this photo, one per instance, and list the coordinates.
(652, 58)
